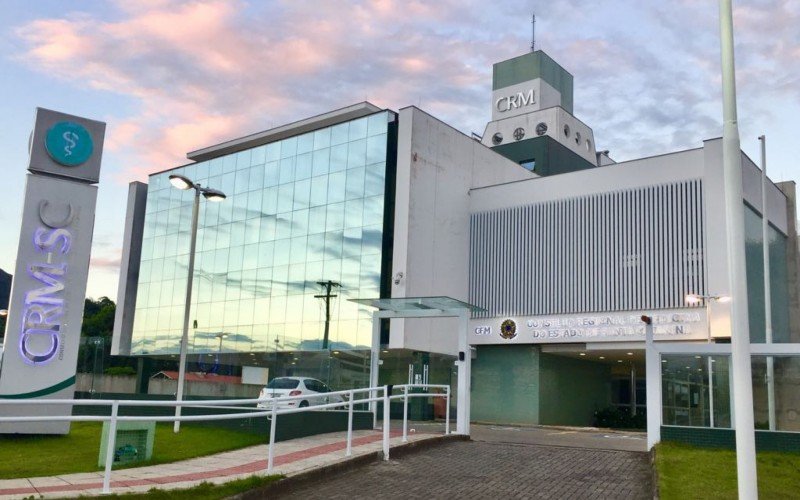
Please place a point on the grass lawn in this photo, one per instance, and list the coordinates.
(688, 472)
(204, 491)
(29, 456)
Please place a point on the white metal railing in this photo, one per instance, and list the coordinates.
(271, 413)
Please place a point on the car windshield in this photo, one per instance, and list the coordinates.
(283, 383)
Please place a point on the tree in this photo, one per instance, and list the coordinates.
(98, 317)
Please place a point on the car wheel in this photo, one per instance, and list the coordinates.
(303, 404)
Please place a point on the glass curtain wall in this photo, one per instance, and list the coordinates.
(304, 209)
(695, 391)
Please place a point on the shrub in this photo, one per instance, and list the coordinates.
(120, 370)
(620, 418)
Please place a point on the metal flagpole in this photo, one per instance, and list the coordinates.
(734, 208)
(767, 289)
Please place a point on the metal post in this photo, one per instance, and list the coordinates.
(350, 425)
(386, 422)
(464, 366)
(405, 414)
(633, 389)
(730, 392)
(373, 367)
(110, 445)
(447, 414)
(740, 335)
(186, 310)
(271, 452)
(767, 288)
(653, 377)
(711, 391)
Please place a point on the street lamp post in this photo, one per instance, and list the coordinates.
(184, 183)
(221, 336)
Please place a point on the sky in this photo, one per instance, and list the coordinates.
(170, 77)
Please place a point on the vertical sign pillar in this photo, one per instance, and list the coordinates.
(47, 295)
(653, 377)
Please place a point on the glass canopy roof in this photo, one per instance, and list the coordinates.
(417, 303)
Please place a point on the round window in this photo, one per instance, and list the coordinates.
(588, 145)
(497, 138)
(519, 133)
(578, 138)
(566, 130)
(541, 128)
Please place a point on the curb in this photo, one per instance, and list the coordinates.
(324, 473)
(654, 474)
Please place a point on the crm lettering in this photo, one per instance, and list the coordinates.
(515, 101)
(44, 306)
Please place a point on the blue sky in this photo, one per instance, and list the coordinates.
(169, 77)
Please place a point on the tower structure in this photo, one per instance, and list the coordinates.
(532, 121)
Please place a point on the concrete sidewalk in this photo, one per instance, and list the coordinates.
(291, 458)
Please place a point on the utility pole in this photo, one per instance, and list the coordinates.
(741, 374)
(328, 286)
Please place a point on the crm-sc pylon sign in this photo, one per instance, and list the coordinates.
(45, 312)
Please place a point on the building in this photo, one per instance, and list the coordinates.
(563, 248)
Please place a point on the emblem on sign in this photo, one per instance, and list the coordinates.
(69, 144)
(508, 329)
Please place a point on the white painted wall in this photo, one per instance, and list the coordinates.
(705, 163)
(555, 119)
(437, 166)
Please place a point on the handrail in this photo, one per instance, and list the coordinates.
(271, 413)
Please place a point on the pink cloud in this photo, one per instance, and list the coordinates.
(202, 72)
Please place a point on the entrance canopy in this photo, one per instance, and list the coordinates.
(406, 304)
(426, 307)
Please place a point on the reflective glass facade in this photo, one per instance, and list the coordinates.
(300, 210)
(778, 273)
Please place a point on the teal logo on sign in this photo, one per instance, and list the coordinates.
(68, 143)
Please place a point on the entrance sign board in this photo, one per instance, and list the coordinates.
(49, 287)
(668, 324)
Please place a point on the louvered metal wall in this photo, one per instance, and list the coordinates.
(618, 251)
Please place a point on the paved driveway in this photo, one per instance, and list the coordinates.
(495, 469)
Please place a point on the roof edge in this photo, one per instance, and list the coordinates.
(275, 134)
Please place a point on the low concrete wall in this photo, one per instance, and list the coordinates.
(706, 437)
(206, 389)
(125, 384)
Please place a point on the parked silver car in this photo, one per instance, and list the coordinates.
(315, 390)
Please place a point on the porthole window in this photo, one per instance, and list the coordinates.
(529, 164)
(541, 128)
(566, 130)
(578, 138)
(588, 145)
(519, 133)
(497, 138)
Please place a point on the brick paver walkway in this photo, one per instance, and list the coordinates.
(291, 457)
(471, 469)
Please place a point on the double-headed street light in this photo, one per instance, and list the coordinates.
(694, 298)
(184, 183)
